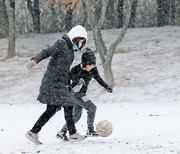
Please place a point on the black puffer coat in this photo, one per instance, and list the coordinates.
(54, 86)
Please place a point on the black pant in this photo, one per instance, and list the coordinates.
(50, 111)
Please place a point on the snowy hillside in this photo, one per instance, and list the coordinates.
(143, 108)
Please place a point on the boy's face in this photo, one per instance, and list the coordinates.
(89, 67)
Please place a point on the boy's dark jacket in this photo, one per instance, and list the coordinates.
(78, 72)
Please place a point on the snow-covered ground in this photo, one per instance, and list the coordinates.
(144, 107)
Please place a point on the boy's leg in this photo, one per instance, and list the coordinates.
(87, 104)
(91, 112)
(77, 112)
(43, 119)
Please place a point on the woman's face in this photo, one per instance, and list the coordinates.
(79, 40)
(78, 43)
(82, 40)
(89, 67)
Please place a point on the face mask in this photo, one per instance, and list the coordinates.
(75, 47)
(80, 45)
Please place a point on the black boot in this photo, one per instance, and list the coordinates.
(91, 132)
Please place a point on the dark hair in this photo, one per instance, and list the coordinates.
(88, 57)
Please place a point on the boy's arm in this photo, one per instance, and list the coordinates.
(98, 78)
(75, 71)
(76, 79)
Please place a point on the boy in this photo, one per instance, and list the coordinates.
(83, 73)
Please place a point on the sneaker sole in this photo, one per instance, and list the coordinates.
(76, 140)
(28, 136)
(93, 135)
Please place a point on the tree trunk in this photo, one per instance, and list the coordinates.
(83, 16)
(3, 19)
(173, 11)
(11, 18)
(53, 26)
(110, 14)
(35, 13)
(114, 45)
(160, 13)
(99, 43)
(119, 17)
(167, 11)
(36, 17)
(68, 19)
(133, 14)
(177, 10)
(108, 73)
(106, 55)
(164, 8)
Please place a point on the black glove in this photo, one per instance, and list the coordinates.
(109, 89)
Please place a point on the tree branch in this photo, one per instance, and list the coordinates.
(103, 11)
(114, 45)
(30, 7)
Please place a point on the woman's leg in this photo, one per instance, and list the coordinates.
(43, 119)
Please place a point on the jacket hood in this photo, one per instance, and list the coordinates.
(67, 39)
(77, 31)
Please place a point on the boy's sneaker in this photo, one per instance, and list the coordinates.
(62, 136)
(33, 137)
(77, 137)
(91, 133)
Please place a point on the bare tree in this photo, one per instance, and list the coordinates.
(96, 17)
(35, 13)
(119, 13)
(72, 6)
(177, 12)
(165, 12)
(10, 4)
(133, 14)
(83, 14)
(3, 19)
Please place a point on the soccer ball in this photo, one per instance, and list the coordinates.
(104, 128)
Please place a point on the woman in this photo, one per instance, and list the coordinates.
(54, 89)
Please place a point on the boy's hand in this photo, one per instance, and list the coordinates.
(81, 81)
(109, 89)
(31, 63)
